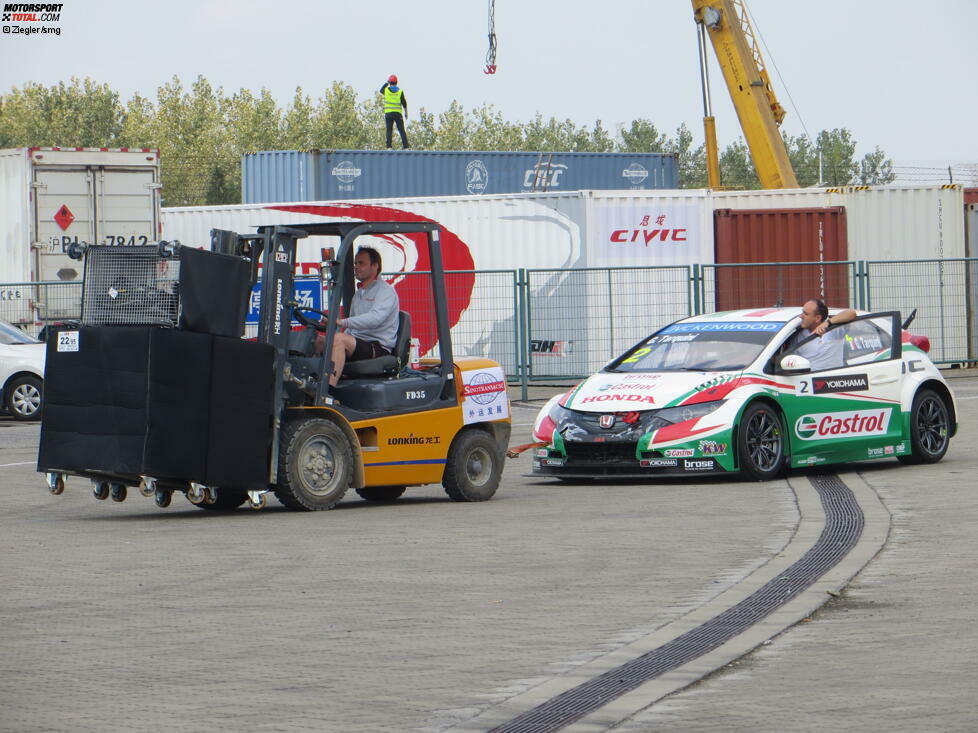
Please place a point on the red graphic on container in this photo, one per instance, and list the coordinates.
(64, 217)
(455, 256)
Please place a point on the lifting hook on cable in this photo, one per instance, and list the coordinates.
(491, 54)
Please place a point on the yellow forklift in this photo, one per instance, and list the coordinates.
(164, 395)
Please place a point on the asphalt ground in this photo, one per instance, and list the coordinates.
(428, 615)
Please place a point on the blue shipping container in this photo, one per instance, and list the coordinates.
(329, 175)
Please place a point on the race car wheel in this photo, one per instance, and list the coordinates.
(225, 500)
(930, 428)
(473, 468)
(381, 494)
(760, 443)
(314, 466)
(22, 398)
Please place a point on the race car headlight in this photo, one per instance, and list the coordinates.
(682, 413)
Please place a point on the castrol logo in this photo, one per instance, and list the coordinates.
(829, 425)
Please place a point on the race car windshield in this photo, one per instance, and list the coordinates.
(708, 347)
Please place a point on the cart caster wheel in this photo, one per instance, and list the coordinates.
(196, 493)
(100, 490)
(210, 497)
(162, 498)
(147, 486)
(56, 485)
(118, 492)
(256, 501)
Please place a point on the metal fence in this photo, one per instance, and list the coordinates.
(566, 324)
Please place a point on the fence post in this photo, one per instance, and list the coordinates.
(696, 285)
(523, 331)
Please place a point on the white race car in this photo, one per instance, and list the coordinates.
(724, 393)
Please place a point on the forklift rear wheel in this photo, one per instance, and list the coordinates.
(315, 464)
(473, 468)
(224, 500)
(381, 493)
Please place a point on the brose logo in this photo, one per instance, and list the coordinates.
(829, 425)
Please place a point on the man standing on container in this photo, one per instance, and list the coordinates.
(394, 99)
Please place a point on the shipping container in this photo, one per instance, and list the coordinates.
(747, 236)
(607, 266)
(971, 196)
(883, 222)
(318, 175)
(52, 197)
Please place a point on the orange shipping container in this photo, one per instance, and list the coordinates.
(744, 237)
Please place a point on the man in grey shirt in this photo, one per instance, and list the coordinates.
(371, 328)
(825, 352)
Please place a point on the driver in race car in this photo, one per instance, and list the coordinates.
(824, 352)
(371, 328)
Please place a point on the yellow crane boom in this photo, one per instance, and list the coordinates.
(758, 109)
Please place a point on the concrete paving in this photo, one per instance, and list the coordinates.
(424, 615)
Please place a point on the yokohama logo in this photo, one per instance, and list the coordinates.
(826, 426)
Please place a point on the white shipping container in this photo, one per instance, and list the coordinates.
(484, 233)
(883, 222)
(564, 232)
(51, 197)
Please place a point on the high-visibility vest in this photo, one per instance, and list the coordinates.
(392, 100)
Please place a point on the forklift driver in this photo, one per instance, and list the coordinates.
(371, 329)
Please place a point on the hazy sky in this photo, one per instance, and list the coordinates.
(899, 74)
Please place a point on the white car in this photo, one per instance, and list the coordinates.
(21, 373)
(730, 393)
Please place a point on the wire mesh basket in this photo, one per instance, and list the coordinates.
(130, 286)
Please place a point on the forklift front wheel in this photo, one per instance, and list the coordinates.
(315, 464)
(474, 467)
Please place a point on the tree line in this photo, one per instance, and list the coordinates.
(202, 132)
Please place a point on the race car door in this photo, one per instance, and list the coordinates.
(847, 407)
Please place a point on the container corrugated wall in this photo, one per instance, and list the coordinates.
(276, 175)
(884, 222)
(769, 235)
(334, 175)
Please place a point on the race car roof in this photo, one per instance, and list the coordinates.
(776, 315)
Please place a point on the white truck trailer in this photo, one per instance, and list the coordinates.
(51, 197)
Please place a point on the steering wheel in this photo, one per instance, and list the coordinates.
(308, 322)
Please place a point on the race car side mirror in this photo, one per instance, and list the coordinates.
(794, 364)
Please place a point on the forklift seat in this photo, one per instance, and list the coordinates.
(388, 365)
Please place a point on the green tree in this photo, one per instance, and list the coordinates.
(297, 123)
(642, 136)
(804, 159)
(838, 150)
(737, 167)
(80, 113)
(454, 130)
(691, 161)
(876, 169)
(491, 132)
(338, 124)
